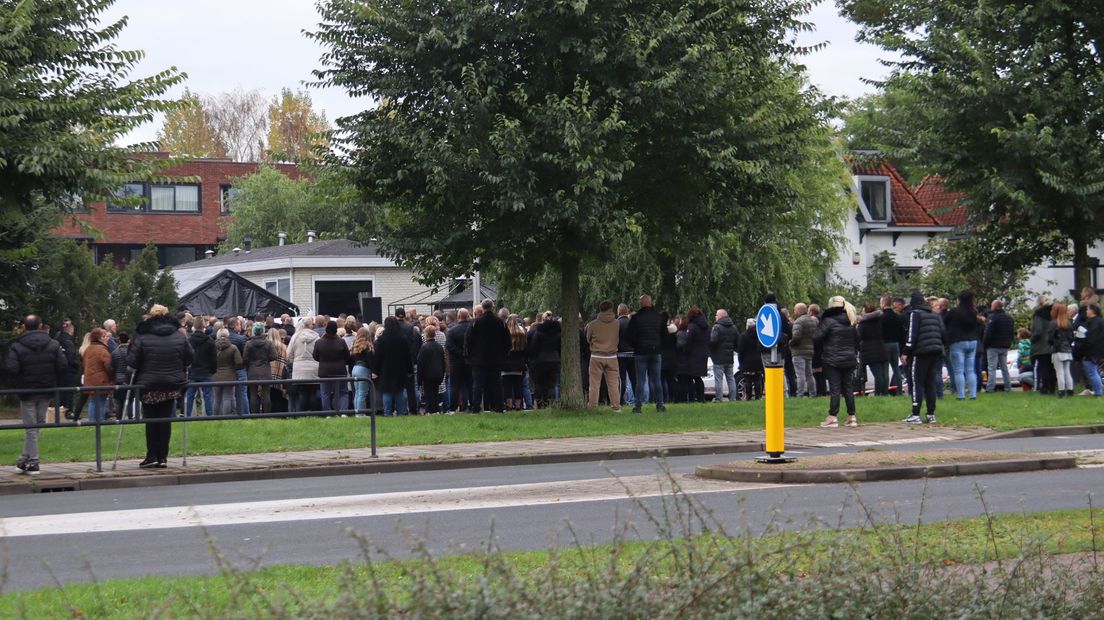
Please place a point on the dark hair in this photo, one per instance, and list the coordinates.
(400, 312)
(693, 313)
(966, 300)
(123, 337)
(31, 323)
(868, 308)
(331, 327)
(605, 306)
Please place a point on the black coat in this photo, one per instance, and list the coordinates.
(750, 358)
(872, 349)
(682, 352)
(38, 362)
(999, 331)
(454, 343)
(723, 340)
(838, 339)
(698, 346)
(647, 332)
(668, 352)
(205, 359)
(413, 340)
(431, 362)
(893, 328)
(488, 340)
(925, 334)
(119, 364)
(72, 357)
(393, 362)
(624, 344)
(962, 324)
(1092, 345)
(160, 354)
(332, 355)
(546, 343)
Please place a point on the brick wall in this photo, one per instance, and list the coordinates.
(204, 228)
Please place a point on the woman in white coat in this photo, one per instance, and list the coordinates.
(300, 354)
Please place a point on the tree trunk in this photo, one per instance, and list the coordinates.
(571, 383)
(668, 284)
(1081, 266)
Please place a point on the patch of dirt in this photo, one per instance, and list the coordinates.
(882, 458)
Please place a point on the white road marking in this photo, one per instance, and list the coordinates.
(353, 506)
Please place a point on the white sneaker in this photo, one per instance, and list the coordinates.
(912, 419)
(852, 421)
(830, 422)
(931, 419)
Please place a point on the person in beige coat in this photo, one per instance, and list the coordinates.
(603, 334)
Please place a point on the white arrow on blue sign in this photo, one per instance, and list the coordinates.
(768, 325)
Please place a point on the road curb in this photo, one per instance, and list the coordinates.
(93, 482)
(737, 473)
(1048, 431)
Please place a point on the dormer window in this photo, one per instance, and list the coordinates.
(875, 197)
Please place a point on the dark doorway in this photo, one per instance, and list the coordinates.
(341, 296)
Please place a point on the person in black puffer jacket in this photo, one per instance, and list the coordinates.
(160, 356)
(332, 355)
(840, 344)
(723, 340)
(872, 348)
(925, 339)
(545, 356)
(37, 361)
(999, 333)
(203, 368)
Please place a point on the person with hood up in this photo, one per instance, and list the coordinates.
(393, 366)
(303, 396)
(97, 373)
(925, 339)
(872, 348)
(546, 359)
(839, 343)
(724, 339)
(160, 357)
(258, 357)
(228, 359)
(37, 361)
(203, 368)
(332, 355)
(602, 335)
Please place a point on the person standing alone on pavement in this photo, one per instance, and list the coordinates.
(37, 361)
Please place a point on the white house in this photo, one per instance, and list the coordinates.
(893, 217)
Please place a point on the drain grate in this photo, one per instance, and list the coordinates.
(56, 488)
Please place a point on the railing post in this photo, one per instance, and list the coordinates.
(372, 413)
(99, 446)
(185, 431)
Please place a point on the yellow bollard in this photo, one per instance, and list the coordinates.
(776, 425)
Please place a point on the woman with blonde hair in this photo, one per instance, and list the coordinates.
(362, 352)
(1059, 335)
(160, 356)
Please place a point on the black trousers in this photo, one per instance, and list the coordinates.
(839, 380)
(411, 395)
(627, 369)
(544, 380)
(1045, 377)
(922, 376)
(158, 434)
(431, 391)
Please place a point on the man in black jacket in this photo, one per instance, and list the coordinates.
(203, 367)
(626, 360)
(488, 342)
(71, 376)
(999, 331)
(646, 332)
(723, 340)
(38, 362)
(414, 340)
(460, 374)
(925, 340)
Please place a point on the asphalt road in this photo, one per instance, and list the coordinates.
(95, 535)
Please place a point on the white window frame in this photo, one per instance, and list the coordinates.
(864, 178)
(276, 281)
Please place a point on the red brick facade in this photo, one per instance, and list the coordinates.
(122, 232)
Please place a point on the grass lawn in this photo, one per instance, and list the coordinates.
(998, 411)
(259, 593)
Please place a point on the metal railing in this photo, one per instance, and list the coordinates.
(132, 404)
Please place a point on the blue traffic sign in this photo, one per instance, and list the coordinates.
(768, 325)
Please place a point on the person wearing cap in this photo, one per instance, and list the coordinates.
(925, 339)
(840, 344)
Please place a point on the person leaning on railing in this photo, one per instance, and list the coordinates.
(160, 355)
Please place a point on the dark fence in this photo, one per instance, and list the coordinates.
(134, 395)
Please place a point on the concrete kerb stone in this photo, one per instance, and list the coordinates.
(1048, 431)
(735, 473)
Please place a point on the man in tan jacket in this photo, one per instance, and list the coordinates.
(602, 335)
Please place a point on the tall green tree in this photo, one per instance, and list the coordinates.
(67, 102)
(1010, 98)
(517, 138)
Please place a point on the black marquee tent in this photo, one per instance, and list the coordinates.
(229, 294)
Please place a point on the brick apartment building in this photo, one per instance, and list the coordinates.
(183, 218)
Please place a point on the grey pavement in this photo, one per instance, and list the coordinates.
(83, 475)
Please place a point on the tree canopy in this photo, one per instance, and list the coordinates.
(1003, 100)
(523, 137)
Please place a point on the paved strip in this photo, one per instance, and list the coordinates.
(351, 506)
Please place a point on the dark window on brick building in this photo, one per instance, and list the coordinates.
(132, 198)
(227, 194)
(181, 198)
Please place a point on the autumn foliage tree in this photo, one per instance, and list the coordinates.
(189, 130)
(296, 132)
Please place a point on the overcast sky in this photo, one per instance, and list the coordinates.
(258, 44)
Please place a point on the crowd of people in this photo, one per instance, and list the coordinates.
(489, 359)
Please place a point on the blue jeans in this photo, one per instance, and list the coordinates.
(526, 392)
(361, 389)
(208, 395)
(894, 351)
(394, 403)
(997, 359)
(962, 358)
(97, 407)
(650, 367)
(242, 391)
(722, 376)
(1092, 377)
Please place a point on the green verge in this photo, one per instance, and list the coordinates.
(998, 411)
(900, 548)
